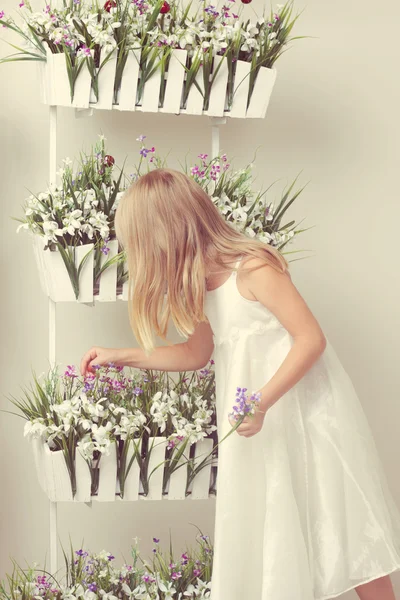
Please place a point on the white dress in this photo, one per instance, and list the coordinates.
(303, 509)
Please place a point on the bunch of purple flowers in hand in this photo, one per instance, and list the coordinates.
(245, 404)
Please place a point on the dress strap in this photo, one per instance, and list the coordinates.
(237, 263)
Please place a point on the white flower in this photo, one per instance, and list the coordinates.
(250, 232)
(240, 214)
(34, 429)
(265, 237)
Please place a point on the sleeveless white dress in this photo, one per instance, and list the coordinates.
(303, 508)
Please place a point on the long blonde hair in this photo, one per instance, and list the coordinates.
(167, 223)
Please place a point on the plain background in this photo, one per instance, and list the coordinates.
(334, 116)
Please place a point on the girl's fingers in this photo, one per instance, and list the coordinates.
(243, 428)
(87, 358)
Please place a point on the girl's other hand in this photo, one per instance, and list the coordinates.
(251, 424)
(97, 356)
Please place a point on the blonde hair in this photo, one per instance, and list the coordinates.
(166, 223)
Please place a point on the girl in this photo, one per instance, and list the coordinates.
(303, 509)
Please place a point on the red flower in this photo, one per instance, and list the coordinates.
(165, 8)
(109, 5)
(246, 1)
(109, 161)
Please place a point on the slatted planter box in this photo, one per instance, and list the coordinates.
(55, 480)
(55, 280)
(55, 88)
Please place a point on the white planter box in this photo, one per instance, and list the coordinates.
(55, 480)
(106, 78)
(55, 88)
(108, 476)
(174, 84)
(58, 482)
(155, 472)
(108, 279)
(178, 479)
(195, 101)
(54, 275)
(201, 483)
(151, 93)
(129, 82)
(54, 83)
(218, 90)
(60, 90)
(261, 94)
(240, 90)
(83, 479)
(132, 481)
(55, 281)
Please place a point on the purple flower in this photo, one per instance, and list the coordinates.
(110, 557)
(244, 404)
(92, 587)
(185, 559)
(137, 391)
(81, 553)
(156, 540)
(141, 138)
(1, 14)
(196, 572)
(204, 373)
(84, 49)
(176, 575)
(70, 371)
(21, 4)
(203, 156)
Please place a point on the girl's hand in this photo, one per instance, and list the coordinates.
(98, 356)
(251, 424)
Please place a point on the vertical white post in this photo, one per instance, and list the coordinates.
(52, 329)
(215, 123)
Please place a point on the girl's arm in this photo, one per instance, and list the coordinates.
(187, 356)
(277, 293)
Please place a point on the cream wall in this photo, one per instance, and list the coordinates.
(334, 115)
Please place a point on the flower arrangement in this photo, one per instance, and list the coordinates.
(90, 576)
(80, 210)
(91, 35)
(126, 415)
(245, 405)
(129, 417)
